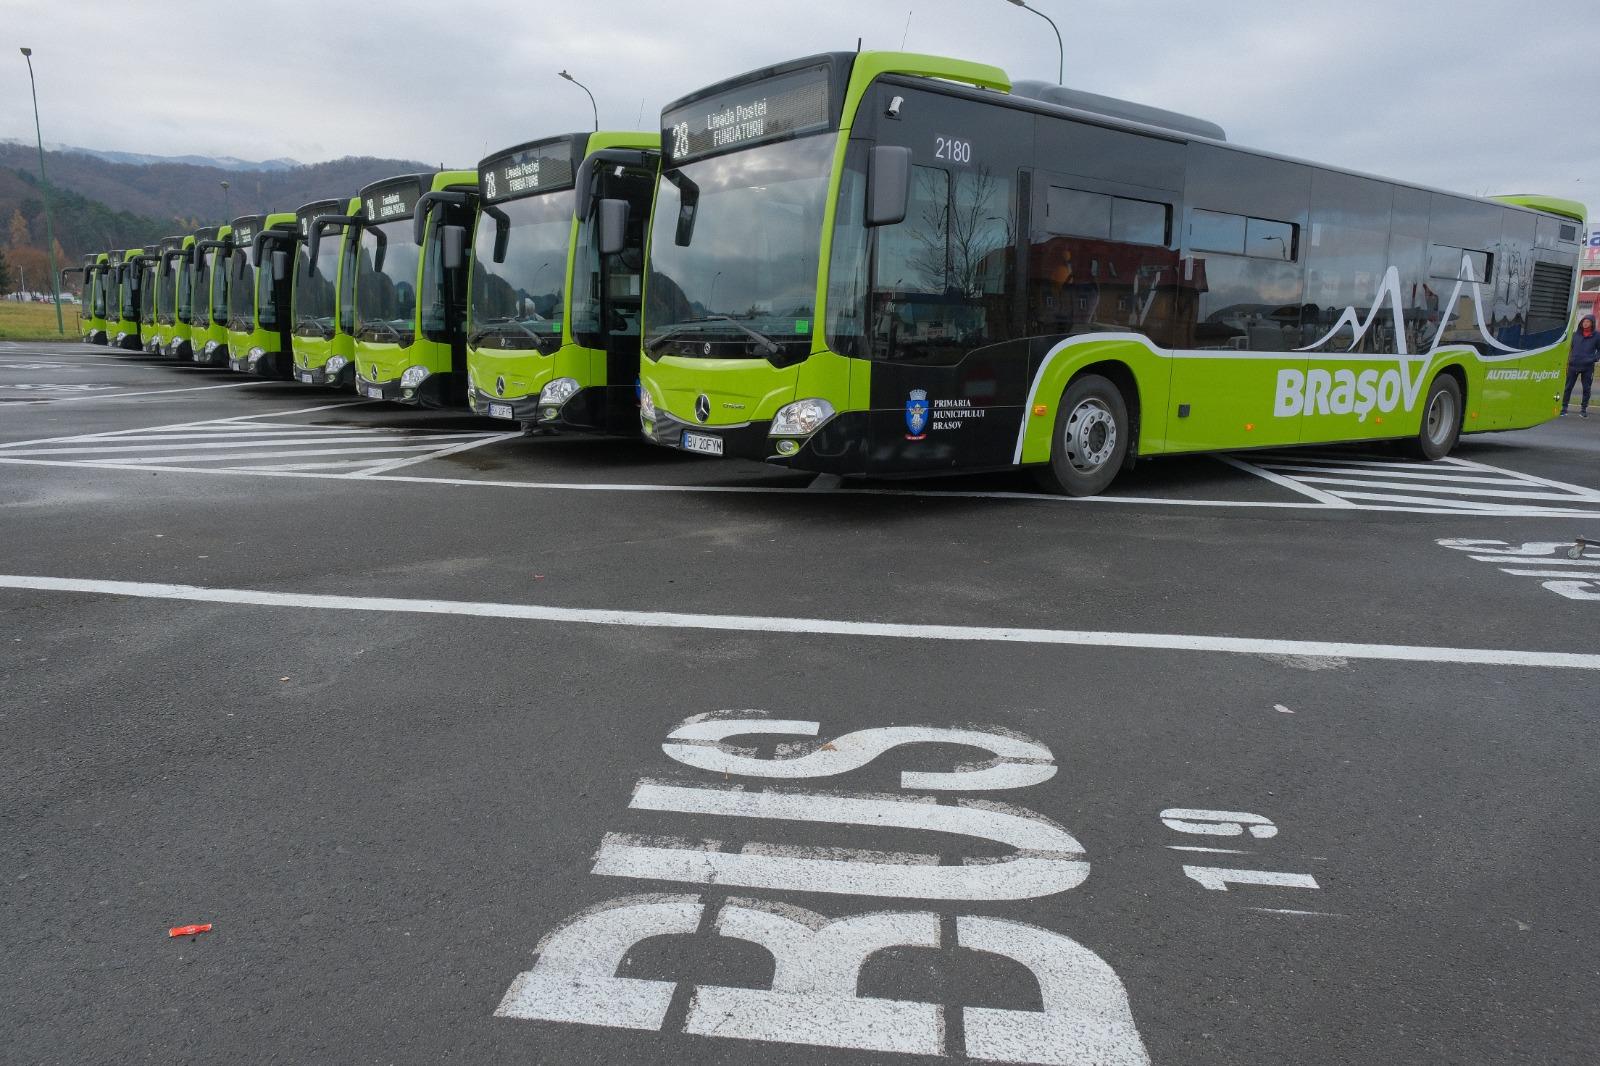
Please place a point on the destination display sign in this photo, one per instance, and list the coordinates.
(311, 211)
(387, 202)
(244, 232)
(526, 171)
(788, 104)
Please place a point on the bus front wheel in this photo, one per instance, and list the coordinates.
(1090, 440)
(1441, 420)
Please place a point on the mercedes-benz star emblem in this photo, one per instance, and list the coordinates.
(707, 349)
(374, 371)
(499, 386)
(702, 407)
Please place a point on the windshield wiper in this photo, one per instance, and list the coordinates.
(509, 325)
(388, 330)
(768, 345)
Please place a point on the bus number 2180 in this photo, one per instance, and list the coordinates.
(955, 151)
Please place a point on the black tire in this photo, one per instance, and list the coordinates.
(1089, 442)
(1441, 420)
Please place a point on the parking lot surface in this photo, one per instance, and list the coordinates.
(475, 746)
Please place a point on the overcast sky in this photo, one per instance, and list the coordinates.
(1480, 96)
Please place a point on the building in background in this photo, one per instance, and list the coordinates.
(1589, 275)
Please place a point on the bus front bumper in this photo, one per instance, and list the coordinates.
(584, 411)
(213, 353)
(837, 447)
(433, 392)
(342, 376)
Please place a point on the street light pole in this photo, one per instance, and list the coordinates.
(44, 186)
(225, 217)
(585, 88)
(1061, 52)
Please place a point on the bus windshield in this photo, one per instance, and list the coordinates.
(130, 293)
(183, 293)
(97, 294)
(241, 292)
(266, 306)
(734, 275)
(201, 287)
(221, 274)
(518, 303)
(313, 293)
(166, 291)
(386, 299)
(147, 286)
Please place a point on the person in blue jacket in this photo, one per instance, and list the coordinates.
(1580, 364)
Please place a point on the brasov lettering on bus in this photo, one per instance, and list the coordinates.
(1344, 392)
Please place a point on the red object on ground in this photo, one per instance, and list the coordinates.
(188, 930)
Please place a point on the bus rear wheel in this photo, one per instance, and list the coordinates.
(1090, 440)
(1441, 420)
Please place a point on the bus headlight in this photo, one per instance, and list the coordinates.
(801, 418)
(647, 406)
(414, 376)
(335, 364)
(254, 354)
(558, 392)
(211, 346)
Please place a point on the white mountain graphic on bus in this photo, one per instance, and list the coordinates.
(1343, 392)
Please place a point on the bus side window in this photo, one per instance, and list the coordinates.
(1101, 262)
(945, 275)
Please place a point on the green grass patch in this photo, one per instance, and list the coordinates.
(36, 322)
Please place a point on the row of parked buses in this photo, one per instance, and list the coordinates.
(882, 263)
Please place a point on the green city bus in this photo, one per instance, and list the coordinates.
(171, 276)
(882, 263)
(410, 313)
(258, 295)
(147, 267)
(323, 301)
(553, 317)
(180, 347)
(97, 267)
(208, 330)
(123, 299)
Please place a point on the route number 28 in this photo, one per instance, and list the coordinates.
(953, 150)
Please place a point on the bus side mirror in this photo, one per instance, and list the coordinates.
(313, 243)
(888, 184)
(453, 242)
(611, 217)
(280, 265)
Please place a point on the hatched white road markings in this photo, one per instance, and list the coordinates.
(818, 626)
(252, 444)
(1452, 485)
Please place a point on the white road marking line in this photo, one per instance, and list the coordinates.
(465, 445)
(1509, 557)
(1287, 910)
(1291, 484)
(1419, 475)
(1217, 851)
(145, 462)
(1573, 575)
(1281, 708)
(217, 422)
(1453, 489)
(814, 626)
(152, 392)
(1458, 506)
(1434, 509)
(285, 442)
(1577, 490)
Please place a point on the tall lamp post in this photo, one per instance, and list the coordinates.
(225, 217)
(44, 186)
(1061, 52)
(585, 88)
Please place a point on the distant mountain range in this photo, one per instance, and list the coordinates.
(221, 162)
(121, 199)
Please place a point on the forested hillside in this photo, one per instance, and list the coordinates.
(96, 204)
